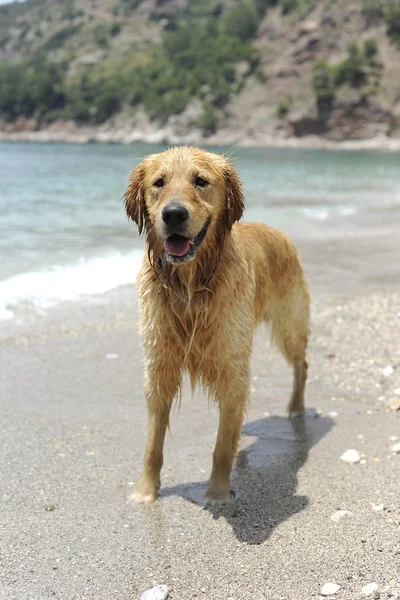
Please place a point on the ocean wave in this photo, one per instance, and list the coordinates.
(88, 277)
(323, 213)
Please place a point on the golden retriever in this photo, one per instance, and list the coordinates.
(206, 282)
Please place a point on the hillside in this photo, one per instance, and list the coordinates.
(223, 71)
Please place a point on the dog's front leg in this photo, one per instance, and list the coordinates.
(232, 400)
(161, 386)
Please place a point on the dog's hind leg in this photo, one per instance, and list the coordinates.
(290, 329)
(162, 383)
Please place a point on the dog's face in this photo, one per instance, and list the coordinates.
(183, 197)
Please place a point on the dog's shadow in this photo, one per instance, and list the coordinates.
(265, 476)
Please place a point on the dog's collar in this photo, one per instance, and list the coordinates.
(204, 282)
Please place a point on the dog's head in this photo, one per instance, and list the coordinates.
(181, 198)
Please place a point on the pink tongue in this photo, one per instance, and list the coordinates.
(177, 246)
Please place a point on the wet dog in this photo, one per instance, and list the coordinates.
(206, 282)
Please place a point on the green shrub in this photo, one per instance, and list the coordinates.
(372, 11)
(283, 107)
(68, 10)
(115, 29)
(289, 6)
(58, 39)
(101, 35)
(260, 75)
(130, 5)
(31, 88)
(370, 48)
(240, 22)
(263, 5)
(323, 79)
(392, 18)
(196, 58)
(208, 120)
(94, 96)
(107, 101)
(174, 102)
(353, 69)
(361, 69)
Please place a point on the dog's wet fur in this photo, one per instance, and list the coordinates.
(206, 282)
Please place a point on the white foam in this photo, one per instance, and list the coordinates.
(323, 213)
(61, 283)
(317, 213)
(347, 211)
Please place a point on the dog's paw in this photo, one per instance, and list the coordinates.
(144, 493)
(218, 497)
(305, 412)
(141, 498)
(295, 414)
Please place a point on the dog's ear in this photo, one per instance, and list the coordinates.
(234, 197)
(134, 197)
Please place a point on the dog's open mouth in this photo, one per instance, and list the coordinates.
(178, 245)
(179, 248)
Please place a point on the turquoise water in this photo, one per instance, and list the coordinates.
(64, 235)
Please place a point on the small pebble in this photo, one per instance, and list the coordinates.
(329, 589)
(351, 456)
(378, 507)
(369, 589)
(393, 403)
(333, 413)
(50, 508)
(387, 371)
(160, 592)
(341, 515)
(396, 448)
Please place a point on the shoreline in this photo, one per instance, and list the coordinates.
(70, 133)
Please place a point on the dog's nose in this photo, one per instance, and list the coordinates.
(174, 214)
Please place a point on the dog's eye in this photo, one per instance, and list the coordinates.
(159, 183)
(200, 182)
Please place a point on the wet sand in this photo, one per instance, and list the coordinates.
(73, 431)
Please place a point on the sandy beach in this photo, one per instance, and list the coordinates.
(73, 432)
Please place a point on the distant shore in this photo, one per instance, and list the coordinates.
(69, 132)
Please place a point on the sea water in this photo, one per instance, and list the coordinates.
(64, 234)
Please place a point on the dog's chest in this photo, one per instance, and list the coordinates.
(195, 326)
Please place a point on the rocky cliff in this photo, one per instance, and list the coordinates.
(254, 72)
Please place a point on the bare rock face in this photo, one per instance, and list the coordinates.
(345, 121)
(286, 49)
(21, 124)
